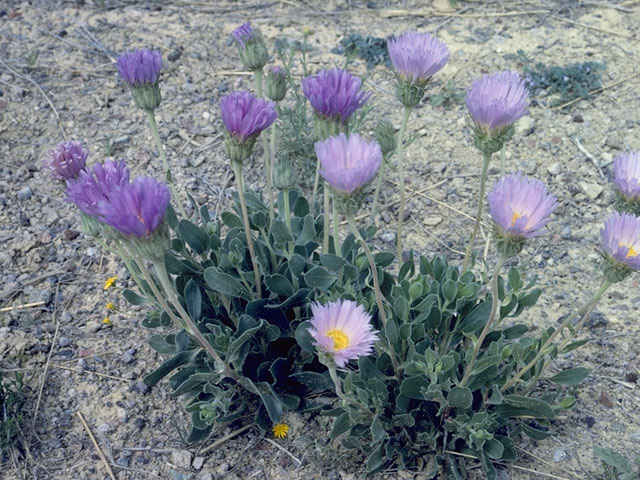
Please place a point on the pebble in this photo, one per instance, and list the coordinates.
(559, 455)
(198, 462)
(388, 237)
(127, 357)
(39, 295)
(181, 459)
(64, 341)
(591, 190)
(103, 428)
(635, 436)
(139, 387)
(555, 169)
(124, 459)
(566, 232)
(432, 221)
(24, 194)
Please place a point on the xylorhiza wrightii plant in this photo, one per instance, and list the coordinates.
(273, 307)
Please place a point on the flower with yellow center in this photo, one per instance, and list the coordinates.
(106, 321)
(110, 306)
(110, 282)
(280, 430)
(621, 240)
(631, 251)
(342, 330)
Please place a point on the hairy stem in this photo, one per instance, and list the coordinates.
(316, 183)
(237, 170)
(326, 218)
(495, 303)
(376, 195)
(287, 217)
(483, 180)
(543, 350)
(151, 117)
(336, 229)
(403, 194)
(270, 172)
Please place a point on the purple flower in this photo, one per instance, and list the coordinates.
(66, 161)
(140, 67)
(348, 163)
(626, 172)
(498, 100)
(334, 93)
(520, 206)
(343, 330)
(245, 116)
(417, 56)
(243, 33)
(136, 208)
(94, 186)
(621, 239)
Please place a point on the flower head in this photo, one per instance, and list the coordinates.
(251, 47)
(66, 161)
(276, 88)
(280, 430)
(110, 282)
(343, 330)
(136, 208)
(140, 67)
(348, 163)
(520, 206)
(626, 172)
(95, 185)
(621, 240)
(245, 116)
(334, 93)
(497, 101)
(416, 57)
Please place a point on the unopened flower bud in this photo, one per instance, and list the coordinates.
(284, 175)
(140, 69)
(251, 47)
(276, 84)
(386, 137)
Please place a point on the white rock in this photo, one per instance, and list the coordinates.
(591, 190)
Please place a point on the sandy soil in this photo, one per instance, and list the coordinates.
(96, 370)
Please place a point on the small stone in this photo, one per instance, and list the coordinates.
(64, 341)
(555, 169)
(139, 387)
(198, 462)
(388, 237)
(591, 190)
(635, 436)
(197, 161)
(578, 118)
(127, 357)
(566, 232)
(40, 296)
(24, 194)
(559, 455)
(590, 421)
(438, 167)
(103, 428)
(122, 140)
(124, 459)
(432, 221)
(181, 459)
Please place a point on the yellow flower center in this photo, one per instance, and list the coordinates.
(110, 282)
(515, 217)
(632, 251)
(340, 339)
(280, 430)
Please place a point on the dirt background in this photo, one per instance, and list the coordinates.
(96, 369)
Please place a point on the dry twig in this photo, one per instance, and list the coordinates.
(591, 158)
(96, 446)
(228, 437)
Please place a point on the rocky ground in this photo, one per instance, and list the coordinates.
(57, 79)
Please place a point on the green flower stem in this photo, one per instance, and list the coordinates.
(237, 170)
(495, 303)
(163, 156)
(265, 145)
(272, 149)
(316, 183)
(336, 229)
(169, 289)
(376, 285)
(242, 279)
(376, 195)
(403, 194)
(122, 253)
(483, 181)
(327, 214)
(544, 349)
(331, 366)
(287, 217)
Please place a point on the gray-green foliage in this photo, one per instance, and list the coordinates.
(12, 400)
(616, 466)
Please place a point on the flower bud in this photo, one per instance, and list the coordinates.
(386, 137)
(284, 175)
(276, 84)
(251, 47)
(140, 69)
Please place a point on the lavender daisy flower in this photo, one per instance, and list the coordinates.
(626, 172)
(251, 47)
(334, 94)
(140, 69)
(136, 208)
(520, 206)
(621, 240)
(416, 57)
(66, 161)
(348, 163)
(342, 329)
(497, 101)
(94, 186)
(245, 116)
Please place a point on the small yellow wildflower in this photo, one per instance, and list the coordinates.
(280, 430)
(110, 282)
(110, 306)
(106, 321)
